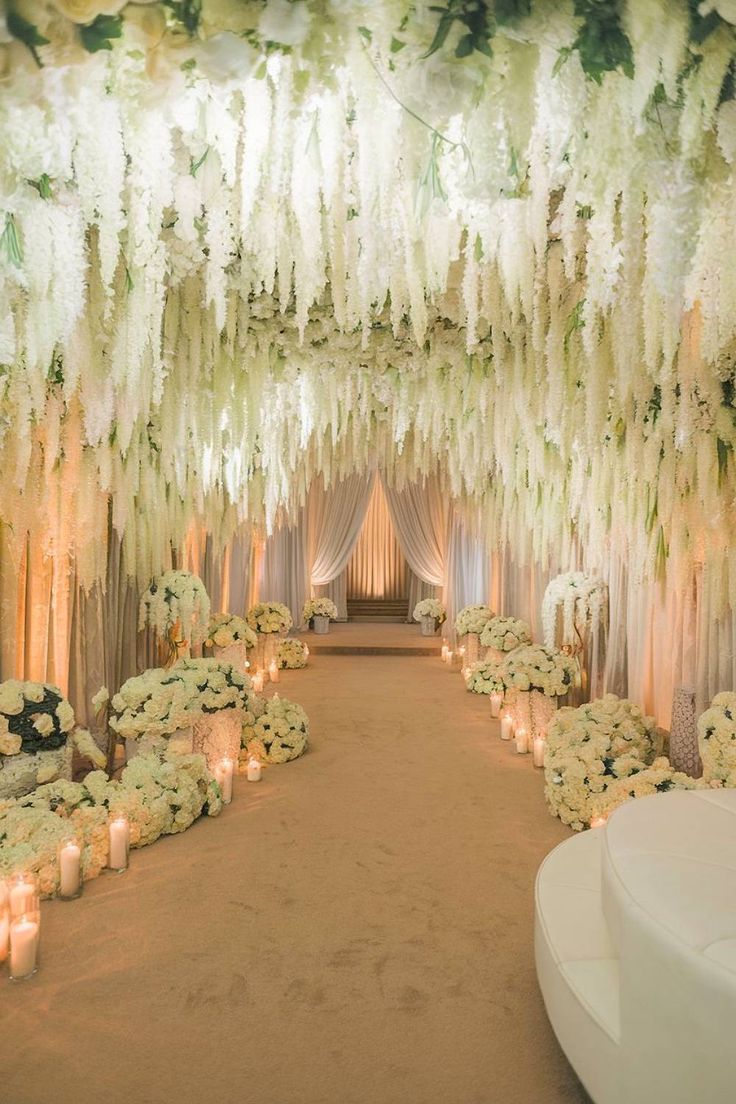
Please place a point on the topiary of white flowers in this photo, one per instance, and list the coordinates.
(717, 739)
(226, 629)
(472, 619)
(270, 617)
(319, 607)
(505, 633)
(176, 600)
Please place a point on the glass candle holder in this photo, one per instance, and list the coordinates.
(254, 770)
(70, 868)
(25, 932)
(119, 836)
(273, 671)
(24, 898)
(224, 776)
(4, 920)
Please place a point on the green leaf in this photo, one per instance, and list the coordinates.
(27, 33)
(440, 35)
(186, 12)
(511, 11)
(396, 45)
(42, 186)
(465, 46)
(575, 322)
(723, 449)
(195, 166)
(10, 244)
(601, 42)
(365, 33)
(562, 56)
(98, 35)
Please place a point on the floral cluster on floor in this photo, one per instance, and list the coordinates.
(178, 723)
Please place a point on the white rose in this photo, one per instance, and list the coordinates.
(86, 11)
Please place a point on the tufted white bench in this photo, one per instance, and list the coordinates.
(635, 944)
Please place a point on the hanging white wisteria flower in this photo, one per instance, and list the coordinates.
(279, 733)
(582, 601)
(485, 678)
(532, 667)
(291, 654)
(472, 619)
(270, 617)
(226, 629)
(717, 739)
(505, 633)
(319, 607)
(176, 602)
(430, 607)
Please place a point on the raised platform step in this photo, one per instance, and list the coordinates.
(373, 638)
(378, 609)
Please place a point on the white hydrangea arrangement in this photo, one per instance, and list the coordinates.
(291, 654)
(717, 739)
(430, 607)
(226, 629)
(532, 667)
(590, 747)
(159, 795)
(472, 619)
(657, 778)
(279, 733)
(176, 600)
(582, 599)
(270, 617)
(505, 633)
(160, 701)
(485, 678)
(319, 607)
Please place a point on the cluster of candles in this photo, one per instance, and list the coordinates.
(518, 733)
(451, 657)
(258, 678)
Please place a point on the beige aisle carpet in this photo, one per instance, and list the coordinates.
(356, 929)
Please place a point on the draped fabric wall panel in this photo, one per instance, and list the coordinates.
(419, 514)
(466, 570)
(285, 567)
(336, 517)
(377, 567)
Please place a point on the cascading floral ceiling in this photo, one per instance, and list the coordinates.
(246, 241)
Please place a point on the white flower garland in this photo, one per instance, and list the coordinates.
(582, 599)
(319, 607)
(176, 599)
(505, 633)
(270, 617)
(472, 619)
(226, 629)
(291, 654)
(430, 607)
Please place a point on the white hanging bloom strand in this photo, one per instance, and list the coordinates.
(581, 598)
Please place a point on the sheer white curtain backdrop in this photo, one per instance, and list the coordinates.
(335, 517)
(466, 569)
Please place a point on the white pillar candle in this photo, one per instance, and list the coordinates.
(254, 770)
(23, 947)
(22, 895)
(224, 775)
(496, 701)
(70, 869)
(538, 746)
(273, 671)
(522, 741)
(448, 660)
(444, 653)
(258, 682)
(306, 652)
(507, 726)
(119, 833)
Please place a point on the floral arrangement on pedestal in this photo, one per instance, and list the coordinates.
(582, 599)
(319, 607)
(177, 607)
(717, 739)
(589, 748)
(503, 634)
(472, 619)
(270, 617)
(485, 678)
(153, 707)
(430, 607)
(159, 795)
(278, 734)
(37, 736)
(226, 629)
(291, 654)
(534, 667)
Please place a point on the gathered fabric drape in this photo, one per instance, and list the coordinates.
(420, 519)
(377, 567)
(466, 570)
(335, 518)
(285, 567)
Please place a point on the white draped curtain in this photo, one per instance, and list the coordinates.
(377, 568)
(466, 569)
